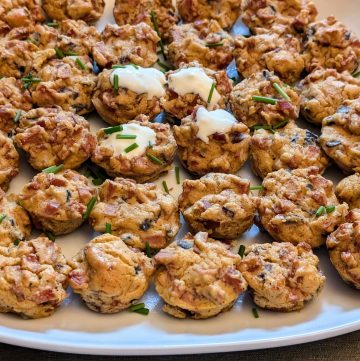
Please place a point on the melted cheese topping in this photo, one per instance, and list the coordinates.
(144, 137)
(140, 80)
(193, 80)
(216, 121)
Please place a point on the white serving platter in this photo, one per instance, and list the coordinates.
(74, 328)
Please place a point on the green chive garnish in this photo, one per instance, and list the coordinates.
(211, 92)
(125, 136)
(281, 124)
(143, 311)
(131, 148)
(164, 66)
(136, 307)
(53, 24)
(156, 28)
(256, 188)
(17, 116)
(59, 53)
(147, 249)
(53, 169)
(356, 74)
(281, 91)
(118, 67)
(2, 217)
(255, 312)
(330, 209)
(266, 100)
(16, 242)
(50, 235)
(29, 80)
(320, 211)
(262, 126)
(69, 53)
(215, 45)
(177, 175)
(154, 159)
(89, 207)
(116, 82)
(115, 129)
(242, 251)
(134, 65)
(165, 186)
(80, 64)
(108, 228)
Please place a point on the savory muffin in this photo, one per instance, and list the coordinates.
(289, 147)
(58, 203)
(256, 101)
(225, 12)
(340, 136)
(124, 93)
(278, 16)
(51, 136)
(9, 161)
(343, 246)
(299, 205)
(140, 150)
(348, 190)
(282, 276)
(279, 54)
(330, 44)
(219, 204)
(14, 222)
(160, 13)
(212, 141)
(109, 275)
(193, 85)
(14, 99)
(323, 91)
(141, 213)
(126, 44)
(87, 10)
(68, 83)
(203, 41)
(33, 278)
(198, 277)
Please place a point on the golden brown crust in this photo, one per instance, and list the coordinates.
(348, 190)
(9, 161)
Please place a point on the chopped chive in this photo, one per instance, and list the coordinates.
(16, 242)
(242, 251)
(136, 307)
(211, 92)
(2, 217)
(165, 186)
(356, 74)
(116, 82)
(17, 116)
(108, 228)
(69, 53)
(257, 188)
(177, 175)
(147, 249)
(281, 124)
(53, 169)
(50, 235)
(154, 159)
(131, 148)
(29, 80)
(115, 129)
(150, 144)
(98, 181)
(164, 66)
(142, 311)
(80, 64)
(255, 312)
(281, 91)
(156, 28)
(32, 41)
(266, 100)
(89, 207)
(125, 136)
(133, 65)
(215, 45)
(53, 24)
(330, 209)
(261, 126)
(321, 210)
(118, 67)
(59, 53)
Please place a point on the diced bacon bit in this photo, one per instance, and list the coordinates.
(84, 194)
(220, 137)
(284, 105)
(172, 94)
(31, 263)
(57, 182)
(165, 256)
(45, 296)
(18, 293)
(232, 277)
(110, 209)
(155, 241)
(51, 207)
(89, 144)
(34, 186)
(78, 278)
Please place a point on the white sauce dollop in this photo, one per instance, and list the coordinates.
(216, 121)
(193, 80)
(140, 80)
(144, 137)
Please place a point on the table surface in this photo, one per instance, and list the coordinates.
(346, 347)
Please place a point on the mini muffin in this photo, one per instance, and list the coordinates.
(59, 202)
(218, 203)
(330, 44)
(124, 93)
(18, 13)
(279, 54)
(141, 213)
(147, 11)
(343, 245)
(203, 41)
(9, 161)
(281, 276)
(340, 136)
(323, 91)
(299, 205)
(15, 224)
(140, 150)
(68, 83)
(289, 147)
(249, 107)
(51, 136)
(108, 275)
(278, 16)
(13, 98)
(225, 12)
(87, 10)
(33, 278)
(126, 44)
(212, 141)
(191, 85)
(198, 277)
(348, 190)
